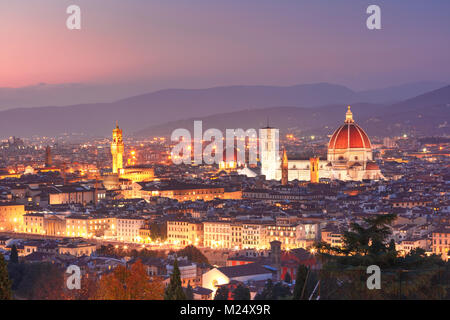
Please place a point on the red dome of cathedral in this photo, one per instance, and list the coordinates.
(349, 135)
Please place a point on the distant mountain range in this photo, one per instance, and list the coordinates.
(427, 114)
(245, 106)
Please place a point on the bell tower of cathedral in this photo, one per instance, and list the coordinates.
(284, 169)
(314, 169)
(117, 149)
(269, 152)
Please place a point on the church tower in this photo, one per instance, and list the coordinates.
(117, 149)
(314, 169)
(48, 157)
(269, 152)
(284, 169)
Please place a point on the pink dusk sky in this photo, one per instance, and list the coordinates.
(204, 43)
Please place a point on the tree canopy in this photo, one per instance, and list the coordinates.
(273, 291)
(222, 293)
(241, 292)
(193, 254)
(344, 274)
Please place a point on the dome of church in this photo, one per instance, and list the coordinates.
(349, 135)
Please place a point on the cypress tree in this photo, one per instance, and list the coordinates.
(189, 292)
(5, 283)
(287, 277)
(174, 290)
(14, 256)
(300, 280)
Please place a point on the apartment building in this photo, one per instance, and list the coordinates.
(441, 241)
(128, 228)
(217, 234)
(185, 232)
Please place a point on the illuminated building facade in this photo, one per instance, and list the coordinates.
(54, 225)
(253, 236)
(128, 228)
(11, 216)
(78, 249)
(34, 223)
(137, 173)
(236, 236)
(74, 194)
(287, 235)
(332, 237)
(441, 241)
(217, 234)
(181, 232)
(182, 192)
(88, 226)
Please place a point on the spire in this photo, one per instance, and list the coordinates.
(117, 124)
(349, 116)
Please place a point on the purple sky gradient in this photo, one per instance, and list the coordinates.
(202, 43)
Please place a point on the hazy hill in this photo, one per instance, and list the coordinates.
(164, 106)
(427, 114)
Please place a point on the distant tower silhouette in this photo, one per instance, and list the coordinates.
(48, 157)
(284, 169)
(314, 169)
(117, 149)
(275, 255)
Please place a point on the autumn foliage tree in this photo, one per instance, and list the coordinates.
(88, 288)
(131, 283)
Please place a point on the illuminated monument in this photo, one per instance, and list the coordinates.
(349, 157)
(134, 173)
(117, 149)
(269, 153)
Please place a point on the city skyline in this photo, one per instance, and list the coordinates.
(243, 150)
